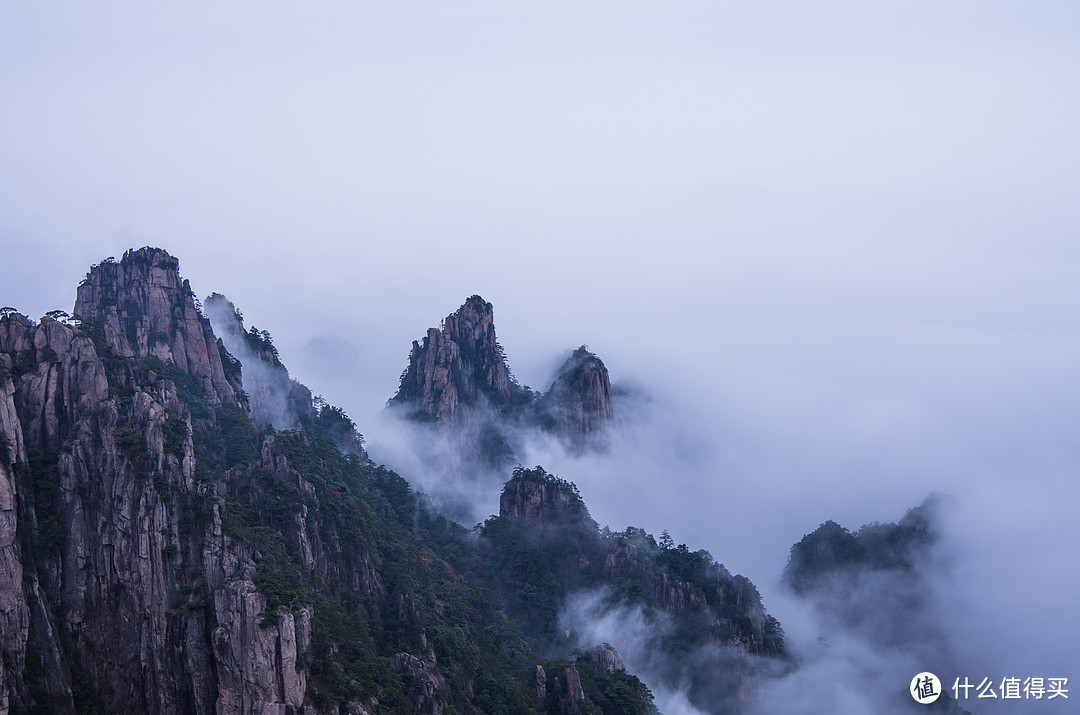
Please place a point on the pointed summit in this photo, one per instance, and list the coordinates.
(458, 381)
(145, 308)
(578, 406)
(457, 367)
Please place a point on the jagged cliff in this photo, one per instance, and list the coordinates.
(458, 380)
(123, 592)
(458, 368)
(578, 406)
(545, 551)
(161, 551)
(144, 308)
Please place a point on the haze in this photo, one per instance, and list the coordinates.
(835, 243)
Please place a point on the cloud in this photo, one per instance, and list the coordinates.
(835, 243)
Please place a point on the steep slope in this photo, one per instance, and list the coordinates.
(578, 407)
(131, 596)
(458, 369)
(274, 398)
(161, 552)
(458, 381)
(144, 308)
(704, 629)
(877, 586)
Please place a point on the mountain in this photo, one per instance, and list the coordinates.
(273, 397)
(878, 586)
(183, 529)
(459, 368)
(458, 381)
(831, 557)
(700, 629)
(578, 406)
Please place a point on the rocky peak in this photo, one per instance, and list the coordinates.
(274, 397)
(535, 497)
(147, 309)
(606, 658)
(457, 366)
(832, 556)
(579, 405)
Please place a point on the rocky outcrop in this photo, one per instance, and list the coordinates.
(274, 397)
(565, 694)
(145, 308)
(540, 499)
(606, 658)
(541, 685)
(626, 563)
(160, 552)
(578, 407)
(457, 369)
(256, 650)
(458, 382)
(14, 609)
(118, 588)
(425, 683)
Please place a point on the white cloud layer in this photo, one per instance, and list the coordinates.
(835, 242)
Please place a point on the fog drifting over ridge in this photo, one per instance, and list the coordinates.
(835, 244)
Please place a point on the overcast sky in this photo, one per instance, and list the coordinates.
(837, 242)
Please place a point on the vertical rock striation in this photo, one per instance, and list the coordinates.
(542, 500)
(458, 381)
(578, 407)
(145, 308)
(115, 574)
(457, 369)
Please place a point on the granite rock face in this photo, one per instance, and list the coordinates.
(145, 308)
(458, 381)
(458, 384)
(118, 587)
(457, 368)
(606, 658)
(578, 406)
(541, 500)
(160, 552)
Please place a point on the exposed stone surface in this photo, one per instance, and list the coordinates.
(457, 368)
(123, 600)
(541, 685)
(542, 500)
(578, 407)
(135, 578)
(606, 658)
(147, 309)
(426, 681)
(458, 381)
(566, 694)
